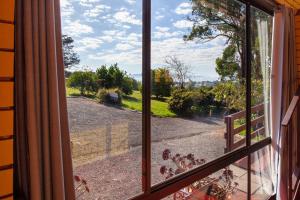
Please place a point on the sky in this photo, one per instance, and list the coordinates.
(110, 31)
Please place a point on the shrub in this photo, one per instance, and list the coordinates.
(181, 101)
(102, 95)
(85, 81)
(127, 85)
(107, 96)
(161, 82)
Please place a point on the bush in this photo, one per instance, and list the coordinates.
(102, 95)
(127, 85)
(181, 102)
(85, 81)
(106, 96)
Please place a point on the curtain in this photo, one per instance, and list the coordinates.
(43, 156)
(283, 87)
(262, 158)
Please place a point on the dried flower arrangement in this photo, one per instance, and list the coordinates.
(80, 187)
(217, 188)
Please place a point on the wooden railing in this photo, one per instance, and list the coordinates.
(293, 186)
(233, 142)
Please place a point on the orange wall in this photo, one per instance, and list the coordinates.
(6, 97)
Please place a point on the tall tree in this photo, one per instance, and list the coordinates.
(161, 82)
(71, 58)
(179, 69)
(220, 18)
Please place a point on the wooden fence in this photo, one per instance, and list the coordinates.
(233, 136)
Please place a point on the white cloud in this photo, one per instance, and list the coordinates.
(107, 38)
(96, 11)
(131, 2)
(76, 28)
(66, 8)
(123, 47)
(124, 16)
(159, 17)
(184, 9)
(88, 3)
(183, 24)
(162, 29)
(87, 43)
(163, 32)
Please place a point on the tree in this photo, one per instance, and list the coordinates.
(85, 81)
(179, 69)
(161, 82)
(227, 66)
(102, 76)
(71, 58)
(114, 77)
(220, 18)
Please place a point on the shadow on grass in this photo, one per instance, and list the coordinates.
(129, 98)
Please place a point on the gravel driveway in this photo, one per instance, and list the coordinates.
(115, 172)
(86, 115)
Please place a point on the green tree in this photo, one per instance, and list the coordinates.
(227, 66)
(71, 58)
(102, 74)
(85, 81)
(219, 18)
(161, 82)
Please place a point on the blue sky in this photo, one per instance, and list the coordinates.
(110, 31)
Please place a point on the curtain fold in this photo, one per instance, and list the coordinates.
(43, 156)
(283, 88)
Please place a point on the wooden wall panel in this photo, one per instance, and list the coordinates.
(7, 64)
(6, 36)
(6, 98)
(7, 10)
(6, 183)
(7, 123)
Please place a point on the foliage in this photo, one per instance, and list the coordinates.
(105, 96)
(71, 58)
(113, 77)
(161, 82)
(179, 69)
(181, 101)
(102, 95)
(232, 94)
(227, 66)
(214, 18)
(128, 85)
(81, 187)
(217, 188)
(85, 81)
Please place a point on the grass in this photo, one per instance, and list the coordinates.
(158, 108)
(76, 93)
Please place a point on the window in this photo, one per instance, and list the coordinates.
(168, 98)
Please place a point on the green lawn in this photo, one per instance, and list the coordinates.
(134, 102)
(158, 108)
(75, 92)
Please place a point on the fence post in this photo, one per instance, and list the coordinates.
(228, 134)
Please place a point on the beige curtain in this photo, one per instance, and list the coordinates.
(283, 88)
(43, 157)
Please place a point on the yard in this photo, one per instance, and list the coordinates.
(159, 108)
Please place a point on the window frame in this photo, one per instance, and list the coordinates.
(173, 185)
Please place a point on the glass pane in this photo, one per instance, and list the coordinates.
(198, 80)
(261, 176)
(229, 183)
(261, 40)
(102, 49)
